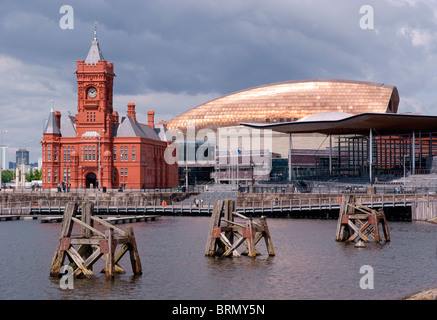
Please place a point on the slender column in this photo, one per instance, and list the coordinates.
(330, 155)
(370, 154)
(17, 176)
(289, 158)
(23, 175)
(413, 154)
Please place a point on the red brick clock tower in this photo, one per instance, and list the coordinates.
(95, 147)
(95, 77)
(95, 119)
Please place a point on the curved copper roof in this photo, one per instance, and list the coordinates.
(288, 101)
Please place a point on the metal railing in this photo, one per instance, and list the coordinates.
(182, 189)
(249, 204)
(336, 189)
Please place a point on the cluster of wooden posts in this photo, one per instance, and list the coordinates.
(93, 244)
(226, 235)
(357, 222)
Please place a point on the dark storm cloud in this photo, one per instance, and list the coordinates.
(211, 46)
(171, 55)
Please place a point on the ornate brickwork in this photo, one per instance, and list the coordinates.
(95, 147)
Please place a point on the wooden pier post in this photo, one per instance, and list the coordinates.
(63, 244)
(131, 246)
(214, 223)
(93, 244)
(225, 235)
(357, 222)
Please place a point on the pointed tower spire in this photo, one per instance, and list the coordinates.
(95, 54)
(52, 125)
(95, 30)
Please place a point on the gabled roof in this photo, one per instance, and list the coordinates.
(52, 126)
(68, 128)
(130, 128)
(149, 132)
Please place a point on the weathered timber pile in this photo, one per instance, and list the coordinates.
(92, 244)
(357, 222)
(226, 235)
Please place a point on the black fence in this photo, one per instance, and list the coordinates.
(336, 189)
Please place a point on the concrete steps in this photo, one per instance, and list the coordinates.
(213, 193)
(418, 180)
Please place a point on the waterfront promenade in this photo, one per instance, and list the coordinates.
(406, 206)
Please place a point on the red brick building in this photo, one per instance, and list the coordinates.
(96, 147)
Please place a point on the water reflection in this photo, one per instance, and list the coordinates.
(309, 264)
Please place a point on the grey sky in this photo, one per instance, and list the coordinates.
(173, 55)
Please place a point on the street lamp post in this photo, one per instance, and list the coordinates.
(186, 172)
(252, 166)
(100, 130)
(238, 160)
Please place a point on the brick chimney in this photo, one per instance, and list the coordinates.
(131, 111)
(58, 118)
(151, 118)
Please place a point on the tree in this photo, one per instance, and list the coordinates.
(33, 175)
(7, 176)
(37, 175)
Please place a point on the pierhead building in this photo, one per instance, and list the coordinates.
(97, 148)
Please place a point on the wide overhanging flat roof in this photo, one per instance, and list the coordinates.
(383, 123)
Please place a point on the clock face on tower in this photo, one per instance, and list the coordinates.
(92, 92)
